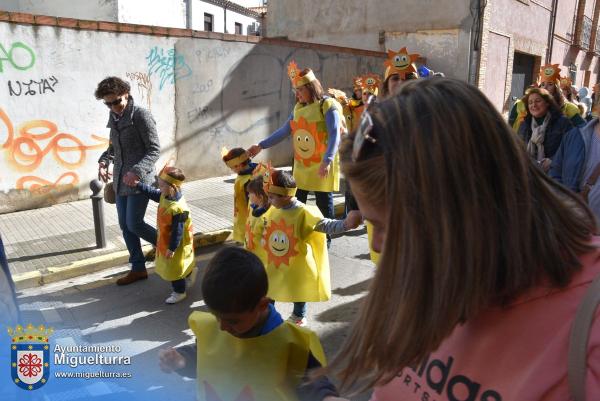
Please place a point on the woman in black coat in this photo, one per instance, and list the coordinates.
(544, 126)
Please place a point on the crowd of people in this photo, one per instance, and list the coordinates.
(483, 233)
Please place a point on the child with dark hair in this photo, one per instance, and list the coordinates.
(257, 220)
(295, 244)
(244, 349)
(239, 162)
(174, 246)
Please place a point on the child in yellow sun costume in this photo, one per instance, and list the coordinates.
(174, 245)
(244, 350)
(257, 217)
(238, 161)
(295, 244)
(315, 125)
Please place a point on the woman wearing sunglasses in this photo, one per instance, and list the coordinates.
(134, 149)
(484, 262)
(315, 126)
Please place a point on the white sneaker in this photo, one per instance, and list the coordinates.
(191, 278)
(175, 297)
(298, 321)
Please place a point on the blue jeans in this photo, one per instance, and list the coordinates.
(300, 309)
(178, 285)
(131, 210)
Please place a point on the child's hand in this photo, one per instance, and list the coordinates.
(253, 150)
(169, 254)
(170, 360)
(353, 219)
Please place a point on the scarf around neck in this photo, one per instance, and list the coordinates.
(535, 146)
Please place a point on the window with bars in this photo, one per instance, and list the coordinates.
(208, 22)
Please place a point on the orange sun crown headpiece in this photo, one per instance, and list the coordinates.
(400, 63)
(370, 83)
(565, 82)
(270, 187)
(550, 73)
(294, 75)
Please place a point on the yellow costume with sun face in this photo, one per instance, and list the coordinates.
(374, 255)
(310, 138)
(255, 227)
(264, 368)
(240, 206)
(182, 262)
(297, 260)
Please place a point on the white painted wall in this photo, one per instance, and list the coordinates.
(167, 13)
(103, 10)
(249, 3)
(66, 125)
(199, 8)
(233, 17)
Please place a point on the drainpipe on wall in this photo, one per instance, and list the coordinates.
(188, 14)
(225, 18)
(477, 11)
(551, 29)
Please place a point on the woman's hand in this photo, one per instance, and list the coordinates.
(169, 254)
(253, 150)
(103, 171)
(131, 179)
(545, 164)
(170, 360)
(324, 169)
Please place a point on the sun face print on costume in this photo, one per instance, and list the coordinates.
(401, 62)
(281, 243)
(308, 142)
(550, 73)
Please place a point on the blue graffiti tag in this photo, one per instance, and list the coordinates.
(169, 66)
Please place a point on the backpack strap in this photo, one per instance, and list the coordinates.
(580, 331)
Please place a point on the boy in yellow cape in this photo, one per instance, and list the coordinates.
(256, 223)
(238, 161)
(174, 245)
(294, 239)
(244, 350)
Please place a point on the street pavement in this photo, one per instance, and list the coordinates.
(58, 242)
(91, 309)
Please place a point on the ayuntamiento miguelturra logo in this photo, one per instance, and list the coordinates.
(30, 355)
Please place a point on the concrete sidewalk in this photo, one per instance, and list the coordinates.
(58, 242)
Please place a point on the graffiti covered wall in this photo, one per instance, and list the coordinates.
(203, 93)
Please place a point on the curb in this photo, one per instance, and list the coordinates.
(91, 265)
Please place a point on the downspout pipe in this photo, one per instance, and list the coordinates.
(551, 29)
(188, 14)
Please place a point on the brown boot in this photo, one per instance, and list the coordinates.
(132, 277)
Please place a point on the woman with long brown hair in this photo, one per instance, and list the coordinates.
(484, 257)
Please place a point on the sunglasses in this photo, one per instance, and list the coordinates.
(363, 133)
(114, 102)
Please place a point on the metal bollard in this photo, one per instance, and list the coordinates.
(98, 208)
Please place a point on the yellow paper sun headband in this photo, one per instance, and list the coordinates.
(297, 80)
(166, 177)
(283, 191)
(231, 163)
(550, 73)
(565, 82)
(400, 63)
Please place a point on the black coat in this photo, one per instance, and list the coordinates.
(133, 147)
(557, 127)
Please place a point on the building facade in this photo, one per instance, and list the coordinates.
(498, 45)
(203, 15)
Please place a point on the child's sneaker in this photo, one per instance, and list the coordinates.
(297, 320)
(176, 297)
(191, 278)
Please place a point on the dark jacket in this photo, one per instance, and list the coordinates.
(568, 167)
(134, 147)
(557, 127)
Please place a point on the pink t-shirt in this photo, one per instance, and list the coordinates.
(517, 353)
